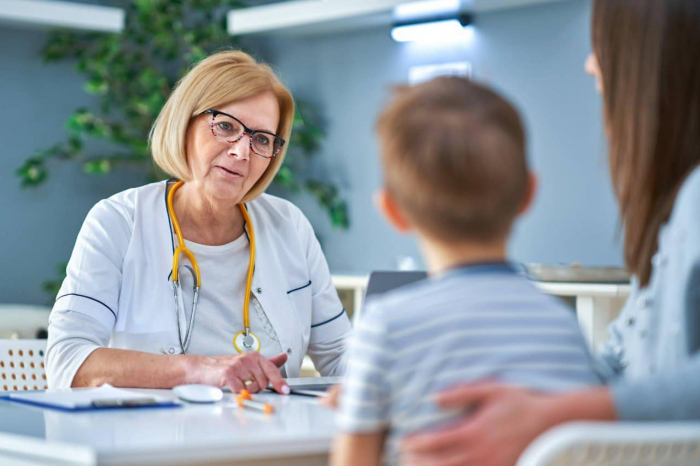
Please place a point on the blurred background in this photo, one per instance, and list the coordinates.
(81, 82)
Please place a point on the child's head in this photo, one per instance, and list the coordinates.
(454, 161)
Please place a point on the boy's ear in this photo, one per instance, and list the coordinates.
(391, 211)
(530, 192)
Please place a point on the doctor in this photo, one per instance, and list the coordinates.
(202, 278)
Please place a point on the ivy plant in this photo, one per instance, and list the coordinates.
(132, 73)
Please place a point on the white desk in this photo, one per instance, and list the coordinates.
(597, 304)
(298, 433)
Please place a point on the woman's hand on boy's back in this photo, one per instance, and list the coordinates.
(503, 422)
(505, 419)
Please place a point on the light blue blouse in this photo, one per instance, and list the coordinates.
(652, 360)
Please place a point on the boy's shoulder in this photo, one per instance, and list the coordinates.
(414, 295)
(459, 294)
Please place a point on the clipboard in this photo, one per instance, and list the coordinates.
(104, 397)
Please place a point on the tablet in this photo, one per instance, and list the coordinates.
(313, 393)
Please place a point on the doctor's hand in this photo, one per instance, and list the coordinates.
(234, 370)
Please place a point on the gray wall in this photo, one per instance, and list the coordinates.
(38, 226)
(534, 55)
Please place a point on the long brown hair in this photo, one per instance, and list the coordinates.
(649, 57)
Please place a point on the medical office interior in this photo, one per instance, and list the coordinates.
(68, 143)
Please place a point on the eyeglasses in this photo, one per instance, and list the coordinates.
(230, 129)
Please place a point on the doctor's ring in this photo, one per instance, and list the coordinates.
(249, 382)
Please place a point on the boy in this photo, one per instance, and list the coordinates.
(455, 172)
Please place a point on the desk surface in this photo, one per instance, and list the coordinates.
(194, 433)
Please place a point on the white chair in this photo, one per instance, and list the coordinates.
(613, 444)
(22, 365)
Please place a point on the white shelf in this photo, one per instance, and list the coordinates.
(70, 15)
(304, 14)
(299, 17)
(290, 17)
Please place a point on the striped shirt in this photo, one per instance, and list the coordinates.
(474, 322)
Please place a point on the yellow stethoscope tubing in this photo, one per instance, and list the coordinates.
(182, 249)
(251, 268)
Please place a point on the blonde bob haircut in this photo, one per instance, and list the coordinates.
(218, 80)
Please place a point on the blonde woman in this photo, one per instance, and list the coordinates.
(202, 278)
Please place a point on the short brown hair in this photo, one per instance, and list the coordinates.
(220, 79)
(454, 159)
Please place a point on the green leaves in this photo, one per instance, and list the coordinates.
(305, 143)
(286, 178)
(84, 122)
(327, 195)
(61, 45)
(97, 167)
(96, 86)
(32, 172)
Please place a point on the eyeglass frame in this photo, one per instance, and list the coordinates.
(246, 130)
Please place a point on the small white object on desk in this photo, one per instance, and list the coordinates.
(197, 393)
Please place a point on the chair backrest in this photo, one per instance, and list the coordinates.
(22, 365)
(613, 444)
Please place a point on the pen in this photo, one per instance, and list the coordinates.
(245, 400)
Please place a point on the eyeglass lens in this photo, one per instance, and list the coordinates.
(231, 130)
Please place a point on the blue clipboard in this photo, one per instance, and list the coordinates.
(105, 398)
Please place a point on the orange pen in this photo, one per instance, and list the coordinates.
(245, 400)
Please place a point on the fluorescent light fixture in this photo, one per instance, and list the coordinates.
(419, 74)
(426, 8)
(434, 31)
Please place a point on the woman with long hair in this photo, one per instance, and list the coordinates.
(646, 60)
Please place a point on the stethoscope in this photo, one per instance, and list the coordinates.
(244, 341)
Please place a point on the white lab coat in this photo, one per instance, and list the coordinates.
(119, 277)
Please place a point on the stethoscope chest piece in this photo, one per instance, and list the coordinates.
(246, 342)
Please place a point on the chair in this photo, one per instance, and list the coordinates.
(613, 444)
(22, 365)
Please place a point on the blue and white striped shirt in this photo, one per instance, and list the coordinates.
(481, 321)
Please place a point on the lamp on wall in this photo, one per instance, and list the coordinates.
(434, 29)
